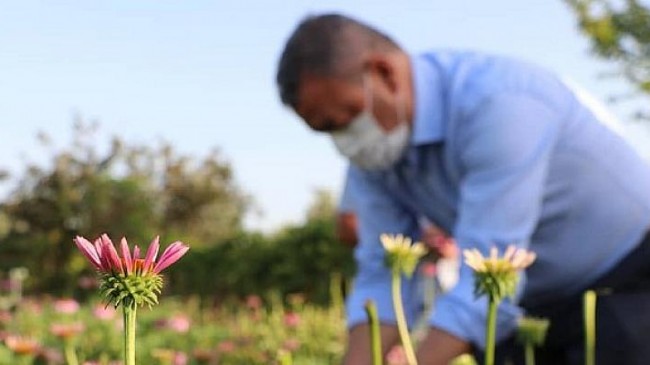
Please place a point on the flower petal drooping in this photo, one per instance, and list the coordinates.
(88, 250)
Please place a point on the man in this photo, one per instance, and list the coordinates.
(494, 151)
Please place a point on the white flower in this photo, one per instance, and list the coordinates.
(498, 276)
(401, 255)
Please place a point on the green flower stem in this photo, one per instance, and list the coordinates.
(70, 353)
(336, 296)
(490, 332)
(589, 303)
(375, 339)
(129, 334)
(529, 349)
(401, 319)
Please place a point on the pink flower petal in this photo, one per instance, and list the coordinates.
(126, 255)
(136, 253)
(113, 258)
(88, 250)
(172, 254)
(152, 253)
(103, 257)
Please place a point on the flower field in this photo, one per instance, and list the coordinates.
(176, 332)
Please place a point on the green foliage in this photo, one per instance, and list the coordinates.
(619, 31)
(300, 259)
(136, 191)
(142, 191)
(303, 258)
(231, 334)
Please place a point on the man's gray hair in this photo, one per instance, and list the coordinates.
(325, 45)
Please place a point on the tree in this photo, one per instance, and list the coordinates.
(136, 191)
(619, 31)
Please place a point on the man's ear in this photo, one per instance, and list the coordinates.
(382, 67)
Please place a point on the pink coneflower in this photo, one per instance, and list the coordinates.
(128, 280)
(66, 306)
(88, 282)
(67, 330)
(103, 312)
(179, 323)
(291, 344)
(5, 316)
(48, 355)
(226, 347)
(180, 358)
(22, 345)
(104, 256)
(169, 356)
(291, 319)
(253, 302)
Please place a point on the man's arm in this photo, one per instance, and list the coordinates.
(503, 151)
(377, 212)
(440, 348)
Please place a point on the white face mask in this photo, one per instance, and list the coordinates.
(367, 145)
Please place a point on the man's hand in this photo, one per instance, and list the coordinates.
(439, 241)
(440, 348)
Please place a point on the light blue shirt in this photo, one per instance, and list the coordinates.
(502, 152)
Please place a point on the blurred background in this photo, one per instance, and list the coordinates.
(145, 118)
(162, 117)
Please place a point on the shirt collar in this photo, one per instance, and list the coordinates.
(427, 118)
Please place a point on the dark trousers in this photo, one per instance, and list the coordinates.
(622, 320)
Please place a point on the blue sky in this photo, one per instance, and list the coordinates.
(200, 74)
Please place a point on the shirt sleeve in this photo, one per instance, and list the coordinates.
(378, 212)
(503, 148)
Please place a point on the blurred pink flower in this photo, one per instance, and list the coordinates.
(291, 319)
(66, 306)
(169, 356)
(104, 256)
(178, 323)
(226, 347)
(180, 358)
(5, 316)
(22, 345)
(291, 344)
(67, 330)
(5, 285)
(253, 302)
(428, 269)
(103, 312)
(50, 356)
(88, 282)
(32, 306)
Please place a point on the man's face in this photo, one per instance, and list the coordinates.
(327, 104)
